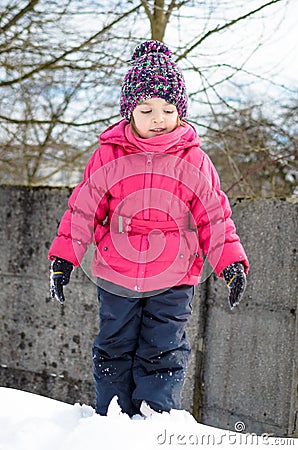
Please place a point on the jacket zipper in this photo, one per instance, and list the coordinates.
(147, 186)
(146, 216)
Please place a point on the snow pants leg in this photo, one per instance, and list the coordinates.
(141, 350)
(114, 349)
(163, 350)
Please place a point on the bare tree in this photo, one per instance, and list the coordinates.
(256, 155)
(56, 85)
(62, 65)
(159, 14)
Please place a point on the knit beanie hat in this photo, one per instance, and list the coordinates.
(153, 74)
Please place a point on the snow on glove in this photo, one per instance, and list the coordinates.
(59, 277)
(236, 281)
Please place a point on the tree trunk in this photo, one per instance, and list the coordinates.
(158, 19)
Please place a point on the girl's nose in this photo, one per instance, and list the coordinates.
(158, 118)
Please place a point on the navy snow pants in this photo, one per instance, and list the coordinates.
(141, 351)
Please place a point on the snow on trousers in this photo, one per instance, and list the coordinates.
(141, 350)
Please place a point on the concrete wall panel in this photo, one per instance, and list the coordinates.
(243, 364)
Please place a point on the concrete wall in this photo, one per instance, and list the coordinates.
(244, 363)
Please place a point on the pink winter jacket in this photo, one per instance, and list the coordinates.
(149, 206)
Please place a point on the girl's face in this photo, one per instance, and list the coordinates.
(154, 117)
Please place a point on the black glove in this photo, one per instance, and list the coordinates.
(236, 281)
(59, 277)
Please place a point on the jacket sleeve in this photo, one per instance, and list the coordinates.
(216, 230)
(87, 209)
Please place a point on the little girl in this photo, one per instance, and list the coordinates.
(150, 202)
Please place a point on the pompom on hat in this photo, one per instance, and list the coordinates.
(153, 74)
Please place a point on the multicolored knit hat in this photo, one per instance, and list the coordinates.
(153, 74)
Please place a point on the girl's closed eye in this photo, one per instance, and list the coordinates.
(147, 111)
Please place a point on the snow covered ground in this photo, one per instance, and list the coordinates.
(32, 422)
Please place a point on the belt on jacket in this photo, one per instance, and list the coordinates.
(143, 226)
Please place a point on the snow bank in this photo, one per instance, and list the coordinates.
(32, 422)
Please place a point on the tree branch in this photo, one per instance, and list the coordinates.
(57, 121)
(147, 9)
(19, 15)
(223, 27)
(50, 63)
(260, 166)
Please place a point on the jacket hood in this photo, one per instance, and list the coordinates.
(121, 134)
